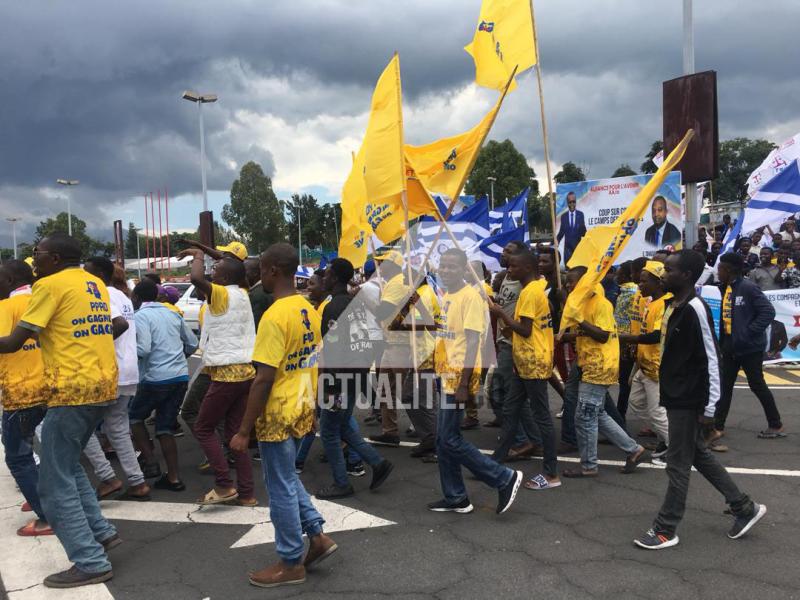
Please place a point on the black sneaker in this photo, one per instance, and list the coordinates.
(660, 451)
(422, 450)
(178, 431)
(356, 470)
(335, 491)
(650, 540)
(385, 439)
(507, 493)
(298, 467)
(165, 484)
(74, 577)
(151, 471)
(743, 524)
(112, 542)
(464, 507)
(379, 473)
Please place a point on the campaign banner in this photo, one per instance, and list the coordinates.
(582, 205)
(785, 326)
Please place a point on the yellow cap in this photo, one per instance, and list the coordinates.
(654, 268)
(393, 256)
(238, 249)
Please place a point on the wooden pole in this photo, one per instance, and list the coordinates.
(550, 193)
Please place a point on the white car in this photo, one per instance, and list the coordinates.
(190, 304)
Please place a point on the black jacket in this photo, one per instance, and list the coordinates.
(689, 377)
(752, 314)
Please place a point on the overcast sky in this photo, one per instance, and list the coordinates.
(92, 90)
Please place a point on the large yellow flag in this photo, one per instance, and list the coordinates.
(503, 40)
(355, 230)
(601, 246)
(443, 166)
(384, 167)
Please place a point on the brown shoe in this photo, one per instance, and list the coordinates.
(278, 574)
(319, 548)
(632, 461)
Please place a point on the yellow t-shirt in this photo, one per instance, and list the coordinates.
(599, 362)
(288, 339)
(638, 304)
(533, 356)
(649, 355)
(218, 305)
(322, 306)
(72, 311)
(202, 313)
(460, 311)
(488, 290)
(22, 372)
(727, 311)
(395, 292)
(426, 341)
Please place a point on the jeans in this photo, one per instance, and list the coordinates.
(518, 412)
(591, 415)
(18, 428)
(501, 392)
(754, 370)
(338, 425)
(116, 426)
(225, 402)
(454, 452)
(190, 409)
(304, 444)
(290, 508)
(687, 448)
(68, 499)
(571, 387)
(419, 401)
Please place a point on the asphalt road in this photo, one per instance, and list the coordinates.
(571, 542)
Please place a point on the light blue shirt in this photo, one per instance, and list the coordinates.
(163, 341)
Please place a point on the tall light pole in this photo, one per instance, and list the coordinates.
(692, 208)
(491, 184)
(201, 99)
(13, 222)
(335, 225)
(68, 183)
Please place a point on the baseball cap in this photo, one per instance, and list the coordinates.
(172, 294)
(655, 268)
(238, 249)
(393, 256)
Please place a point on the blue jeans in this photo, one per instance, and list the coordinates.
(290, 508)
(502, 394)
(591, 416)
(571, 386)
(68, 499)
(304, 444)
(454, 452)
(18, 428)
(338, 425)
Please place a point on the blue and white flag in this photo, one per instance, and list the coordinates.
(775, 201)
(733, 234)
(511, 215)
(489, 250)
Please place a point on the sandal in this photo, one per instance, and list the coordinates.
(771, 434)
(30, 530)
(540, 482)
(579, 473)
(632, 461)
(102, 494)
(213, 497)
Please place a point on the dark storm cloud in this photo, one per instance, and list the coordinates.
(92, 89)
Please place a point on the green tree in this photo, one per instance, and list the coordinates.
(624, 170)
(569, 173)
(648, 166)
(507, 164)
(89, 245)
(738, 158)
(254, 212)
(130, 241)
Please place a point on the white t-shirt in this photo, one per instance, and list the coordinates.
(125, 345)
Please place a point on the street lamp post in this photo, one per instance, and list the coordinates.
(491, 184)
(13, 222)
(201, 99)
(68, 183)
(299, 234)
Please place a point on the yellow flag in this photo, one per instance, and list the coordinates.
(443, 166)
(503, 40)
(384, 167)
(601, 246)
(355, 233)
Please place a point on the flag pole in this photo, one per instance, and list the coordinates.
(551, 196)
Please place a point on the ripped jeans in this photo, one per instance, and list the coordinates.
(591, 416)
